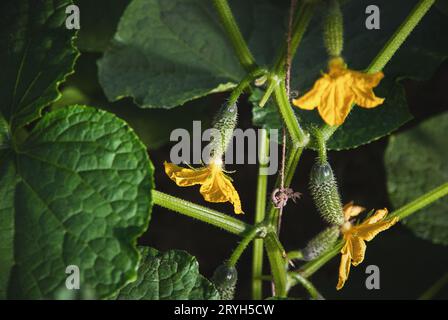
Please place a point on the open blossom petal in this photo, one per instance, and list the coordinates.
(362, 88)
(185, 177)
(358, 249)
(369, 231)
(215, 185)
(351, 210)
(219, 188)
(312, 98)
(354, 248)
(336, 101)
(344, 266)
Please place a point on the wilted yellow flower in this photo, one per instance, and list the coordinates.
(355, 236)
(336, 91)
(216, 186)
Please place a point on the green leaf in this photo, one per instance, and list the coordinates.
(416, 163)
(168, 275)
(153, 126)
(203, 290)
(166, 53)
(37, 54)
(98, 23)
(76, 191)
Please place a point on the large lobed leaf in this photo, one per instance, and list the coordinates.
(75, 192)
(98, 23)
(166, 53)
(169, 275)
(76, 189)
(36, 53)
(416, 162)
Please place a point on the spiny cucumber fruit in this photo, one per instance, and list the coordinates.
(324, 189)
(320, 243)
(224, 279)
(225, 122)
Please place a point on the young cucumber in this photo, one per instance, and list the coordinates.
(224, 279)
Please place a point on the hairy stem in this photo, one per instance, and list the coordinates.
(300, 24)
(308, 285)
(277, 263)
(298, 136)
(289, 48)
(233, 31)
(397, 39)
(201, 213)
(244, 84)
(421, 202)
(247, 239)
(260, 210)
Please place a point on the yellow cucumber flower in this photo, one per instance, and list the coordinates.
(336, 91)
(355, 236)
(216, 186)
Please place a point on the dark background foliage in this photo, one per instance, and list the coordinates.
(408, 264)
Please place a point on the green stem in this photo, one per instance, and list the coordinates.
(247, 239)
(392, 46)
(244, 84)
(201, 213)
(421, 202)
(294, 255)
(320, 143)
(272, 84)
(291, 164)
(260, 210)
(435, 288)
(233, 31)
(308, 285)
(311, 267)
(397, 39)
(277, 263)
(299, 27)
(298, 136)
